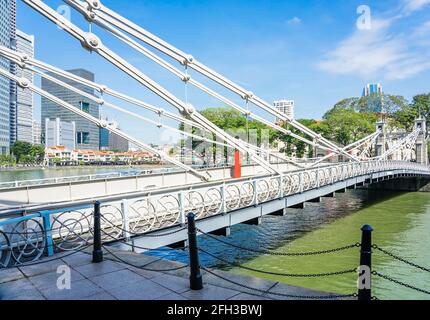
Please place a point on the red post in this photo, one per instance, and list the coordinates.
(237, 165)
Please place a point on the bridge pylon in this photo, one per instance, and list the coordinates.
(380, 142)
(421, 151)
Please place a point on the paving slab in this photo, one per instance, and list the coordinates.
(172, 296)
(210, 292)
(174, 283)
(41, 268)
(96, 269)
(10, 275)
(116, 279)
(12, 289)
(248, 297)
(79, 289)
(47, 280)
(78, 259)
(142, 290)
(99, 296)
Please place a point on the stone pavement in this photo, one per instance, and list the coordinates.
(114, 280)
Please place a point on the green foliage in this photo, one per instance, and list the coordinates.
(7, 160)
(371, 104)
(21, 149)
(346, 126)
(27, 153)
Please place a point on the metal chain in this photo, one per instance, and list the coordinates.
(399, 282)
(141, 267)
(292, 275)
(281, 294)
(400, 259)
(273, 253)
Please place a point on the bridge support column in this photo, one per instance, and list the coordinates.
(279, 213)
(224, 232)
(315, 200)
(254, 222)
(330, 195)
(421, 143)
(298, 206)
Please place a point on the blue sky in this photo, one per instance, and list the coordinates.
(309, 51)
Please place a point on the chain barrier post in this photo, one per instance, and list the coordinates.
(365, 270)
(196, 282)
(97, 245)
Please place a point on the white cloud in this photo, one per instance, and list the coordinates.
(380, 52)
(295, 20)
(410, 6)
(423, 30)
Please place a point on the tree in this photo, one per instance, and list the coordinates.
(346, 126)
(421, 105)
(7, 160)
(38, 152)
(20, 149)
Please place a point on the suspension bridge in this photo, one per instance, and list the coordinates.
(141, 212)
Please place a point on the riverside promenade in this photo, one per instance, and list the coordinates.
(115, 280)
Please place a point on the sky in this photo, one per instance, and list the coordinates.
(314, 52)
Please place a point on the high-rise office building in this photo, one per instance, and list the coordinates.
(59, 133)
(87, 133)
(24, 104)
(372, 89)
(286, 107)
(7, 87)
(111, 141)
(37, 133)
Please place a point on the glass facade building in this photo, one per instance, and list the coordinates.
(24, 113)
(87, 134)
(7, 87)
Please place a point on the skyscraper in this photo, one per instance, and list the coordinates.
(87, 133)
(24, 113)
(59, 133)
(37, 132)
(372, 89)
(286, 107)
(7, 87)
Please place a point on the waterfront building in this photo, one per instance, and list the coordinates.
(286, 107)
(62, 155)
(59, 133)
(24, 103)
(7, 87)
(37, 133)
(86, 133)
(371, 89)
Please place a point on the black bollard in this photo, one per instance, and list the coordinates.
(364, 284)
(196, 282)
(97, 245)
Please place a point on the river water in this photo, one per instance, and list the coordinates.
(401, 223)
(38, 173)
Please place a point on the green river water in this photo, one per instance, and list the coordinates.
(401, 224)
